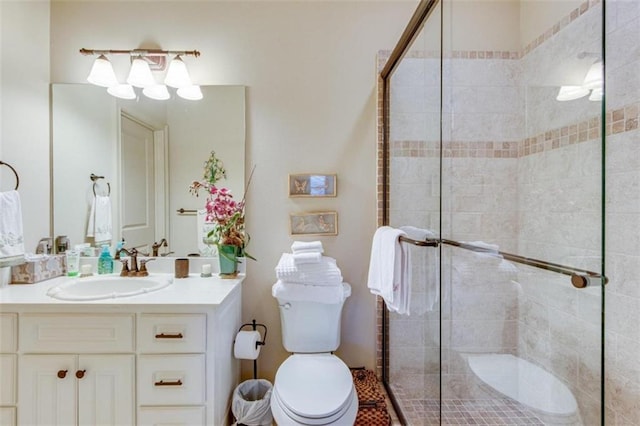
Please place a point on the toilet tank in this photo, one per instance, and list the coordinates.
(311, 327)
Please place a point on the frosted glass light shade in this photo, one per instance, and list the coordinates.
(569, 93)
(177, 74)
(594, 77)
(122, 91)
(158, 92)
(102, 73)
(190, 93)
(140, 74)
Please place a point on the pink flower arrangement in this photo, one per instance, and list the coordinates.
(222, 210)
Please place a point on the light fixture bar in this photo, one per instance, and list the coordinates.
(140, 52)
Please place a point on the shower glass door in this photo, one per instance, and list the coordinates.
(414, 349)
(495, 145)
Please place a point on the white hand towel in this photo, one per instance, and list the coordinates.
(425, 267)
(307, 247)
(100, 223)
(389, 269)
(308, 293)
(325, 272)
(11, 230)
(307, 257)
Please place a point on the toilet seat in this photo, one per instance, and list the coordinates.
(314, 388)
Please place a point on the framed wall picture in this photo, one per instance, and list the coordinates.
(314, 223)
(312, 185)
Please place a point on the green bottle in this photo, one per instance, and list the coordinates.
(105, 261)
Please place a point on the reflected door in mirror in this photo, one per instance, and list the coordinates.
(138, 188)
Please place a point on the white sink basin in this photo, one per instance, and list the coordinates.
(108, 287)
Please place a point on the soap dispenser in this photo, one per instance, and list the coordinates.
(105, 261)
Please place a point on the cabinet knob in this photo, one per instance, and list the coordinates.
(80, 373)
(62, 374)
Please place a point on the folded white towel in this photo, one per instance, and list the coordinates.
(100, 223)
(11, 230)
(310, 293)
(307, 257)
(307, 247)
(325, 272)
(390, 270)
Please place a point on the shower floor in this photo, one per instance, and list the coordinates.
(426, 412)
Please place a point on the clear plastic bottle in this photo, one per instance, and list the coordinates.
(105, 261)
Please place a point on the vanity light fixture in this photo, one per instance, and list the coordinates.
(158, 92)
(192, 93)
(140, 73)
(177, 74)
(143, 62)
(102, 73)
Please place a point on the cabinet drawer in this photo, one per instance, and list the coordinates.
(174, 416)
(171, 379)
(172, 333)
(8, 332)
(76, 333)
(8, 382)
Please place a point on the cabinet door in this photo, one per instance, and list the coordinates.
(106, 390)
(47, 391)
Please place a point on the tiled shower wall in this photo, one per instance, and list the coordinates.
(622, 203)
(526, 177)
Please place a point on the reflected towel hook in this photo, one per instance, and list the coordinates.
(14, 172)
(94, 179)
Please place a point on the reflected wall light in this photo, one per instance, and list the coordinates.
(593, 85)
(143, 62)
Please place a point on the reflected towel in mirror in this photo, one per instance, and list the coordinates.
(11, 230)
(100, 223)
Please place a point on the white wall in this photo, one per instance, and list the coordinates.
(24, 110)
(310, 72)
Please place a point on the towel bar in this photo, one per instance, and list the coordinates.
(580, 278)
(14, 172)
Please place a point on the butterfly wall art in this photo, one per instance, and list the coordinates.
(312, 185)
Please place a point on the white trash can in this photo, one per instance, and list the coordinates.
(251, 403)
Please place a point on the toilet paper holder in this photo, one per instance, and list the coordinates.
(254, 326)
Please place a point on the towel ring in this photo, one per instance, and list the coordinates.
(14, 172)
(94, 179)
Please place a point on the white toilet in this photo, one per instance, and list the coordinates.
(313, 386)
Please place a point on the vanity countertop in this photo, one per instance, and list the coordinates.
(184, 292)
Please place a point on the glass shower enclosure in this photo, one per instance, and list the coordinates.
(492, 156)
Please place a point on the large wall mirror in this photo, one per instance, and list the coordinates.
(145, 154)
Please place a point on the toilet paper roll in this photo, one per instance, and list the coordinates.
(245, 346)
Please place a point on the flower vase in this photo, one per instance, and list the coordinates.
(228, 257)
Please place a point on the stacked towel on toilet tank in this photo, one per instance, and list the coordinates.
(307, 275)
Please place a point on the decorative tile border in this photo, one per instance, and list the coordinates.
(620, 120)
(452, 149)
(554, 29)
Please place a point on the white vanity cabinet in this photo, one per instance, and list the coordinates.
(8, 368)
(155, 360)
(171, 368)
(76, 389)
(63, 381)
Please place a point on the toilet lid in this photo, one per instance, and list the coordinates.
(314, 385)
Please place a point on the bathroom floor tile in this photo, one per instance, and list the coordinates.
(426, 412)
